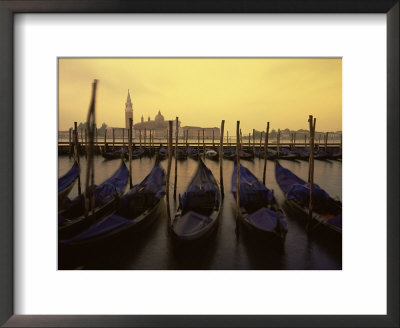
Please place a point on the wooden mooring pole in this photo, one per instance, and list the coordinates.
(186, 140)
(198, 144)
(130, 152)
(77, 157)
(204, 147)
(176, 157)
(221, 151)
(97, 144)
(89, 135)
(113, 132)
(312, 123)
(237, 176)
(70, 142)
(150, 149)
(169, 170)
(254, 140)
(278, 136)
(86, 142)
(326, 141)
(265, 153)
(144, 139)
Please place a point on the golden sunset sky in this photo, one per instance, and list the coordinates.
(202, 92)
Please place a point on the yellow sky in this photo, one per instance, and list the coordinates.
(202, 92)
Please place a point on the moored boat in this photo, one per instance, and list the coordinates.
(163, 153)
(181, 154)
(302, 153)
(326, 210)
(334, 154)
(72, 219)
(212, 154)
(192, 152)
(259, 211)
(66, 182)
(287, 154)
(321, 155)
(135, 211)
(199, 207)
(115, 154)
(245, 155)
(229, 153)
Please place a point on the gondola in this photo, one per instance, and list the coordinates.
(272, 154)
(287, 154)
(136, 153)
(321, 155)
(334, 154)
(327, 212)
(135, 211)
(229, 153)
(181, 154)
(246, 155)
(192, 152)
(199, 207)
(258, 152)
(162, 153)
(72, 220)
(66, 182)
(303, 154)
(212, 154)
(115, 154)
(259, 211)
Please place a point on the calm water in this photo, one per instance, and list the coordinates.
(154, 248)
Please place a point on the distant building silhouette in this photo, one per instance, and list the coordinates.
(159, 126)
(128, 110)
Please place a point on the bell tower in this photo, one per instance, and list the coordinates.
(128, 110)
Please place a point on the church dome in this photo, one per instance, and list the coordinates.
(159, 117)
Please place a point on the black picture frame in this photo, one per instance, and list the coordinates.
(7, 10)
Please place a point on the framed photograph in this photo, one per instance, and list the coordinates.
(140, 114)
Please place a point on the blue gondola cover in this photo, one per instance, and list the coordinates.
(68, 178)
(251, 189)
(151, 188)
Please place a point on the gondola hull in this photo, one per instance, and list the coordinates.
(63, 194)
(65, 184)
(327, 211)
(259, 212)
(75, 226)
(199, 208)
(213, 155)
(276, 238)
(143, 222)
(72, 219)
(135, 211)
